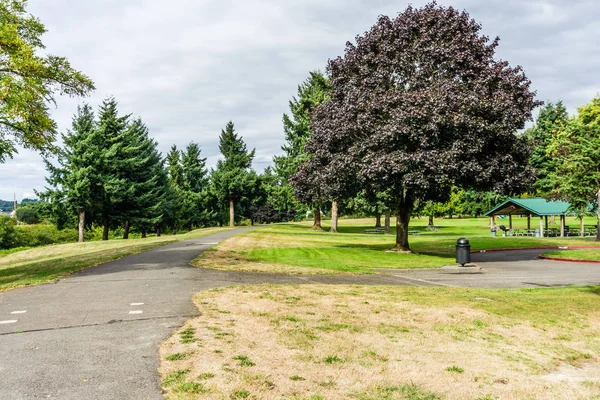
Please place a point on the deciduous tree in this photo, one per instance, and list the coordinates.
(30, 81)
(419, 104)
(576, 149)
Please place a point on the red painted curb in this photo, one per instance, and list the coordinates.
(569, 260)
(538, 248)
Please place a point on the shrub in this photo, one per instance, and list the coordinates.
(27, 215)
(7, 232)
(42, 235)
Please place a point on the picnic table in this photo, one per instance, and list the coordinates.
(376, 231)
(413, 232)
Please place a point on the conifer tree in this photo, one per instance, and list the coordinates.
(109, 144)
(311, 93)
(194, 168)
(74, 182)
(141, 166)
(233, 178)
(176, 188)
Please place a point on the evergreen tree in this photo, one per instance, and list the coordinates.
(175, 195)
(142, 167)
(311, 93)
(74, 182)
(109, 143)
(549, 120)
(194, 169)
(233, 179)
(194, 187)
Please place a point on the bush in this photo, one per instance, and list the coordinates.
(42, 235)
(27, 215)
(7, 232)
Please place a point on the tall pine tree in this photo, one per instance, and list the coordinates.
(311, 93)
(233, 178)
(74, 182)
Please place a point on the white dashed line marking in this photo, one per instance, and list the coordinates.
(136, 304)
(136, 312)
(19, 312)
(10, 321)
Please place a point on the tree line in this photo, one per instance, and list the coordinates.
(110, 173)
(396, 126)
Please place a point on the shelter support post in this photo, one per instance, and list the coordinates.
(510, 224)
(492, 222)
(546, 218)
(562, 226)
(541, 226)
(528, 221)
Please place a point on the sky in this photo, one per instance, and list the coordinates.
(187, 67)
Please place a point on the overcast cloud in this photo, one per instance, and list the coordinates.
(186, 67)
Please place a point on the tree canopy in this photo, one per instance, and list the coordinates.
(418, 105)
(30, 81)
(575, 148)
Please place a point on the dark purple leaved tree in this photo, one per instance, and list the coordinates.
(420, 104)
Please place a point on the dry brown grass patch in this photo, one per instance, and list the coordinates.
(343, 342)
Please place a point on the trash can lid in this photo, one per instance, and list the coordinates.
(463, 241)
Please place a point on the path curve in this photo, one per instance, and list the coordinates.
(509, 269)
(96, 334)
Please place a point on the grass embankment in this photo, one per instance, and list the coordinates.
(43, 264)
(350, 342)
(294, 248)
(590, 255)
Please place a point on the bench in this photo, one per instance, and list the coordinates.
(377, 231)
(413, 232)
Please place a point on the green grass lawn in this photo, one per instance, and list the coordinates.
(295, 248)
(593, 255)
(43, 264)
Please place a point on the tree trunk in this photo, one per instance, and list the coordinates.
(231, 214)
(598, 214)
(402, 219)
(430, 223)
(174, 230)
(581, 226)
(317, 220)
(334, 217)
(126, 230)
(388, 225)
(378, 221)
(81, 225)
(158, 231)
(143, 234)
(105, 224)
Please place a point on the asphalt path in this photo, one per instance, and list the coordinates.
(510, 269)
(96, 334)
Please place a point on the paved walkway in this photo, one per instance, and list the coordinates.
(508, 269)
(95, 335)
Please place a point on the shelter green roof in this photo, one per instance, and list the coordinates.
(535, 206)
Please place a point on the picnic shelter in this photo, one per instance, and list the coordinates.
(538, 207)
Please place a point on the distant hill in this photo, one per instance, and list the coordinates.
(6, 206)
